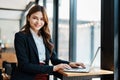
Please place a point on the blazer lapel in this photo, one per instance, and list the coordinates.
(32, 43)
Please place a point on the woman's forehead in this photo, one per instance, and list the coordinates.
(38, 13)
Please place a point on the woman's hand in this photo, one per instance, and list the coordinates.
(76, 64)
(61, 66)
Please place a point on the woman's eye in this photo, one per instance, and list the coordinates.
(42, 19)
(34, 18)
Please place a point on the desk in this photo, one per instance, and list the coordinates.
(9, 58)
(94, 73)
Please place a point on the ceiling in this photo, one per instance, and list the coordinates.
(12, 9)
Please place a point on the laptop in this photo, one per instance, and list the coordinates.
(87, 67)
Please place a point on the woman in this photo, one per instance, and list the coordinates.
(34, 49)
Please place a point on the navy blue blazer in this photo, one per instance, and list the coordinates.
(28, 61)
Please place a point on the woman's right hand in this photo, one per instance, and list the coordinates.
(61, 66)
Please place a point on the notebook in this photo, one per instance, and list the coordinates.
(87, 67)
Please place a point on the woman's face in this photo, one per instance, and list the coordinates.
(36, 21)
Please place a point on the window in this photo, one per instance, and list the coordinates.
(88, 30)
(49, 7)
(63, 39)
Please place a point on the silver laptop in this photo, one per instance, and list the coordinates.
(87, 67)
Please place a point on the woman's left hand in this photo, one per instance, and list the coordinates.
(76, 64)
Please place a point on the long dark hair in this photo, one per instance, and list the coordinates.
(44, 31)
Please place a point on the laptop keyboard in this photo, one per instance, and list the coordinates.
(78, 69)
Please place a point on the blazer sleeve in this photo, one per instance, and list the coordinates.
(55, 60)
(24, 64)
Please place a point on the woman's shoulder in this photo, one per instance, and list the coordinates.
(20, 33)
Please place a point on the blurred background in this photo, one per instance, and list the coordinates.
(88, 14)
(75, 26)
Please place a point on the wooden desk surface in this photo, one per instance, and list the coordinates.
(93, 72)
(9, 57)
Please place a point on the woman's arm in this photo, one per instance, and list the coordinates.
(55, 60)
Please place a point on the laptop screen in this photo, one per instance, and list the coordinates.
(95, 56)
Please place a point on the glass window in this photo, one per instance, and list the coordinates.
(63, 29)
(40, 2)
(88, 30)
(49, 7)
